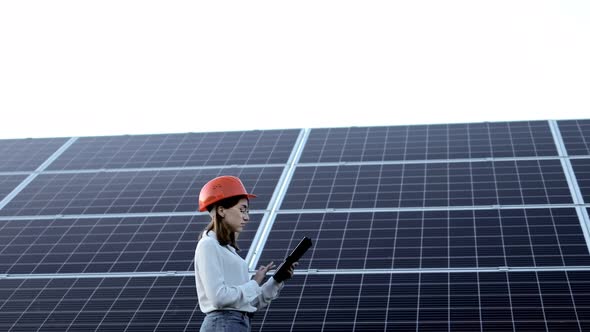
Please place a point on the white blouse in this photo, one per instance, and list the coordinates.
(223, 281)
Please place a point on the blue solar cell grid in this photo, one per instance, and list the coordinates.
(428, 185)
(576, 136)
(131, 191)
(103, 245)
(179, 150)
(99, 304)
(432, 239)
(472, 140)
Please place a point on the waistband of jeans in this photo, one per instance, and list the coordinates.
(244, 313)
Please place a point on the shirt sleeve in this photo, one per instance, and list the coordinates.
(211, 273)
(270, 291)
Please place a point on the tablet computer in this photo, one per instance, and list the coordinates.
(282, 272)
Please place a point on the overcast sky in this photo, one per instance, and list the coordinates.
(82, 68)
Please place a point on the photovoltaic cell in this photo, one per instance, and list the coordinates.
(8, 183)
(26, 154)
(491, 301)
(576, 136)
(428, 185)
(447, 141)
(101, 245)
(179, 150)
(582, 170)
(432, 239)
(132, 192)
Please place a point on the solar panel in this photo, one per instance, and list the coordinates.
(576, 136)
(432, 239)
(472, 140)
(428, 185)
(99, 304)
(498, 301)
(131, 191)
(495, 301)
(26, 154)
(102, 245)
(179, 150)
(457, 227)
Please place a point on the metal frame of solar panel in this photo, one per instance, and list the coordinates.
(458, 227)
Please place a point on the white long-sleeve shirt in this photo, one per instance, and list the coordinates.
(223, 282)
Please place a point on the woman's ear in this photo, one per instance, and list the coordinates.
(220, 211)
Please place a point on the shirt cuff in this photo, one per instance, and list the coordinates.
(271, 288)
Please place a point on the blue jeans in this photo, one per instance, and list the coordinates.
(225, 321)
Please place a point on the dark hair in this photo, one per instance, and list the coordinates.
(224, 234)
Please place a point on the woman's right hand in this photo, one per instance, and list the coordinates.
(261, 272)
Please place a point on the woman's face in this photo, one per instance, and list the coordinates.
(237, 216)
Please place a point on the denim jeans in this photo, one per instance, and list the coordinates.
(225, 321)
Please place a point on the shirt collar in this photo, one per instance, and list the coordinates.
(210, 234)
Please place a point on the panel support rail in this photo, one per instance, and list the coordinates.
(276, 200)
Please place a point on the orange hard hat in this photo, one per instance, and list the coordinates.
(220, 188)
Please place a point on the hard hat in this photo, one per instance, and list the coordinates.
(220, 188)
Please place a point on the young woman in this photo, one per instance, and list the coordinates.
(226, 293)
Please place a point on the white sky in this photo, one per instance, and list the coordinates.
(81, 68)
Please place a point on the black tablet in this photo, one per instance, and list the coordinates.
(282, 272)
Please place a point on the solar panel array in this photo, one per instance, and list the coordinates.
(458, 227)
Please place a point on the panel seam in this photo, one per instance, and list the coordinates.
(296, 211)
(300, 272)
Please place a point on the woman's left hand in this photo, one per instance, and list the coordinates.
(292, 269)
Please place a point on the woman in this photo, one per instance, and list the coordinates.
(226, 293)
